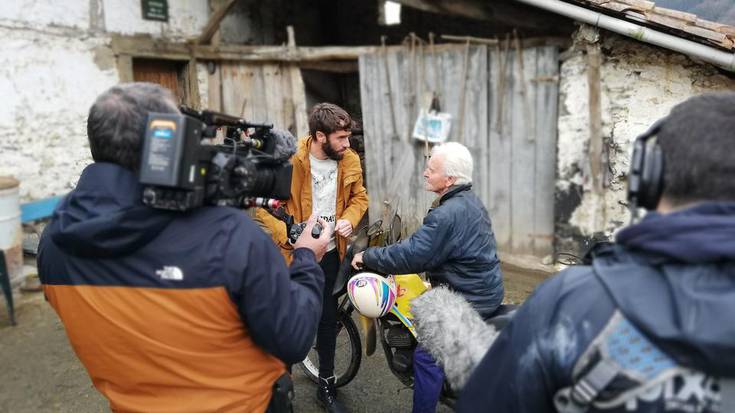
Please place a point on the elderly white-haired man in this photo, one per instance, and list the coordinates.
(455, 246)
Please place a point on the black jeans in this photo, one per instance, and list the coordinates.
(326, 335)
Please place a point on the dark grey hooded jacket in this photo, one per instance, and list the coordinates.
(671, 277)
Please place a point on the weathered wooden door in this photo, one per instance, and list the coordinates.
(166, 73)
(503, 104)
(261, 92)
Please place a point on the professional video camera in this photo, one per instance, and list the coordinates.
(180, 172)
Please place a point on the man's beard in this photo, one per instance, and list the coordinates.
(331, 153)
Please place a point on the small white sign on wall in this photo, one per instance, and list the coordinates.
(432, 126)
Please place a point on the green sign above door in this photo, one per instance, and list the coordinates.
(155, 10)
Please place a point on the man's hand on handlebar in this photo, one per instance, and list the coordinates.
(357, 261)
(317, 245)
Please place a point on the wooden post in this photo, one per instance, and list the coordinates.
(595, 112)
(298, 91)
(214, 80)
(191, 84)
(125, 68)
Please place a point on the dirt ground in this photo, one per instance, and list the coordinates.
(40, 373)
(519, 284)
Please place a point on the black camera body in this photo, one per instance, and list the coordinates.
(180, 172)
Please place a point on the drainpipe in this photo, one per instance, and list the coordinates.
(696, 50)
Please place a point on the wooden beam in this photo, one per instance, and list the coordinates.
(499, 11)
(281, 54)
(340, 59)
(470, 39)
(342, 66)
(147, 46)
(214, 21)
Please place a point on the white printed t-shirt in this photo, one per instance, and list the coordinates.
(324, 191)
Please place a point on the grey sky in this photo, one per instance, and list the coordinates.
(722, 11)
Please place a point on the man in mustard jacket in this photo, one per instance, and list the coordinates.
(326, 180)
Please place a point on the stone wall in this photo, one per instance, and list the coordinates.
(639, 84)
(54, 60)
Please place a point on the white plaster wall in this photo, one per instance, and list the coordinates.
(186, 18)
(40, 14)
(640, 84)
(47, 84)
(55, 59)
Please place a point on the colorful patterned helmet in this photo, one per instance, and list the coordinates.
(371, 294)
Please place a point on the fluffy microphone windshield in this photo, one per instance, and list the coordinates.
(452, 332)
(284, 144)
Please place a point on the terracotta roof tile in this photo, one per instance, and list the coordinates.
(685, 24)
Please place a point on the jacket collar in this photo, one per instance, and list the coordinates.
(348, 166)
(302, 153)
(696, 235)
(454, 190)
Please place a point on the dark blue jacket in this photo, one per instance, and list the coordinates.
(671, 277)
(101, 235)
(455, 246)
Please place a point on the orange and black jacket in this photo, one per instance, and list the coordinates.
(175, 312)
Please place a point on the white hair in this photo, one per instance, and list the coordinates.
(457, 161)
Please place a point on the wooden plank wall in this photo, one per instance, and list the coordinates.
(509, 125)
(394, 161)
(262, 92)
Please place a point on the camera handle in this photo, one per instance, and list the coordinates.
(293, 229)
(316, 231)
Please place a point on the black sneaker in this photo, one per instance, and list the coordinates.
(326, 394)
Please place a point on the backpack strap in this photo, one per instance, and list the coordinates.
(580, 396)
(620, 354)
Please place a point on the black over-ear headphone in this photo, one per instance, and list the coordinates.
(646, 177)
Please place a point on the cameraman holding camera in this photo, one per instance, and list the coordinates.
(327, 181)
(173, 311)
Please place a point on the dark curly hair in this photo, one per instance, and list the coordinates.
(328, 118)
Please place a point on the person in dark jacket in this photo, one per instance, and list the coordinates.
(455, 246)
(647, 327)
(172, 311)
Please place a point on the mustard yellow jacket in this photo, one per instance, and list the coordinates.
(352, 200)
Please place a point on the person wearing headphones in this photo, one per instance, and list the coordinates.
(647, 325)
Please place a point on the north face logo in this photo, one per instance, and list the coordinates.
(170, 273)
